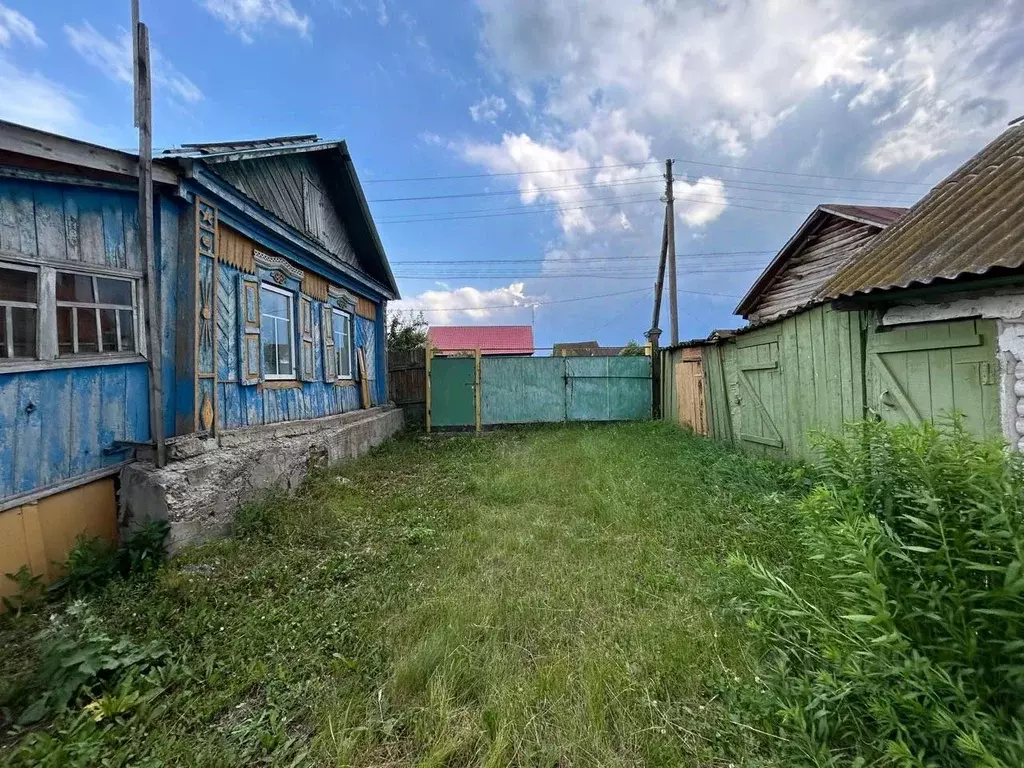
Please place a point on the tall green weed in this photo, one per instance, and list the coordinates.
(902, 642)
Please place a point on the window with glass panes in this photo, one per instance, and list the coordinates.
(343, 343)
(276, 334)
(95, 315)
(19, 311)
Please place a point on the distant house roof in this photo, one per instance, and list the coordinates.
(583, 349)
(804, 290)
(226, 160)
(491, 339)
(968, 224)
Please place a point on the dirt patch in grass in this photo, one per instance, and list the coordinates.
(543, 597)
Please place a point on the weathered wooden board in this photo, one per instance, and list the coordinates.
(55, 424)
(64, 223)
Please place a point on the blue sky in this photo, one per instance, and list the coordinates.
(561, 114)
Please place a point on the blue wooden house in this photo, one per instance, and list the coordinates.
(272, 287)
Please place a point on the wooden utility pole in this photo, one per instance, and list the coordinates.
(144, 122)
(659, 285)
(670, 236)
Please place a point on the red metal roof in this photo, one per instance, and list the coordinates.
(491, 339)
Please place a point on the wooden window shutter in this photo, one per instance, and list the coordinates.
(249, 367)
(327, 331)
(306, 368)
(313, 205)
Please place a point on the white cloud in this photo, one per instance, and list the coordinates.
(445, 307)
(15, 26)
(487, 109)
(114, 59)
(247, 17)
(701, 202)
(382, 13)
(558, 170)
(31, 99)
(728, 73)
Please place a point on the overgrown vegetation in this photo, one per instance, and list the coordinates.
(406, 331)
(904, 643)
(618, 595)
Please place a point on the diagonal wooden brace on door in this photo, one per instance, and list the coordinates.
(775, 440)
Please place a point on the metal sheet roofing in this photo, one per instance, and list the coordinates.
(491, 339)
(356, 211)
(969, 224)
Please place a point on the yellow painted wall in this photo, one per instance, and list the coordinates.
(41, 534)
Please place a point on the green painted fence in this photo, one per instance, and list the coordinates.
(772, 388)
(534, 390)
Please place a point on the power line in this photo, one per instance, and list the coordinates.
(575, 259)
(728, 202)
(418, 217)
(804, 175)
(557, 301)
(611, 200)
(611, 203)
(515, 173)
(734, 167)
(591, 185)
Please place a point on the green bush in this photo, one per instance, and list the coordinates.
(902, 641)
(93, 562)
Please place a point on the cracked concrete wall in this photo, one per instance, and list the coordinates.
(199, 492)
(1007, 308)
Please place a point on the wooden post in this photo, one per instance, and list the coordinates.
(428, 354)
(476, 388)
(670, 227)
(364, 385)
(653, 336)
(144, 120)
(659, 286)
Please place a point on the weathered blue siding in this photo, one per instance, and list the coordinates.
(241, 406)
(65, 223)
(55, 424)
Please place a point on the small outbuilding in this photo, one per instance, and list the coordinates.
(906, 316)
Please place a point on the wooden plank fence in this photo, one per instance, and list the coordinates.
(407, 383)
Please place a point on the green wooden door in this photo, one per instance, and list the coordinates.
(762, 408)
(452, 399)
(924, 372)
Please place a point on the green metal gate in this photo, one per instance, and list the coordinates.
(534, 390)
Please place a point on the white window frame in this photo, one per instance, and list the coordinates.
(6, 307)
(291, 334)
(346, 318)
(78, 307)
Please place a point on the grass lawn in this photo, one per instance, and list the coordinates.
(544, 597)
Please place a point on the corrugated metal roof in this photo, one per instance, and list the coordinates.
(491, 339)
(233, 150)
(874, 216)
(969, 224)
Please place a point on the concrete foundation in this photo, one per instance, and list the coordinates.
(207, 479)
